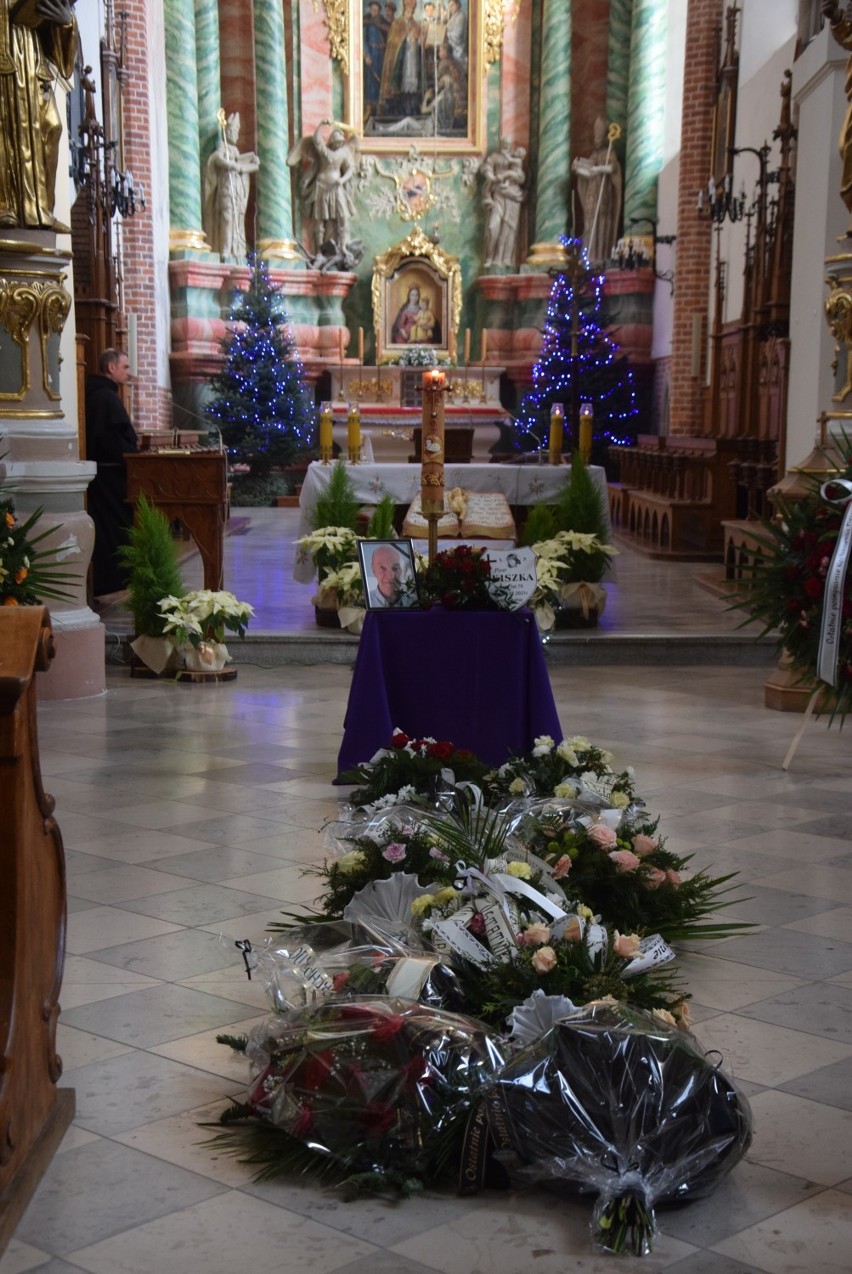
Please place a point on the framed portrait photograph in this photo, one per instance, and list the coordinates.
(388, 574)
(415, 71)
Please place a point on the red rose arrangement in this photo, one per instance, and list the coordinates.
(373, 1085)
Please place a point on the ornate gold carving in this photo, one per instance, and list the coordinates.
(492, 22)
(21, 306)
(18, 308)
(838, 312)
(337, 21)
(416, 249)
(53, 311)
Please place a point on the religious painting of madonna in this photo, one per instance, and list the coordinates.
(414, 73)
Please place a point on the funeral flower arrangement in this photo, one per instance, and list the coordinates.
(460, 579)
(488, 968)
(569, 567)
(28, 574)
(204, 615)
(789, 577)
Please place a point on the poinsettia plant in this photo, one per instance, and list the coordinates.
(203, 615)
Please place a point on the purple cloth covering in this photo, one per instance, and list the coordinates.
(474, 678)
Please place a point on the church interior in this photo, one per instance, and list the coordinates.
(417, 182)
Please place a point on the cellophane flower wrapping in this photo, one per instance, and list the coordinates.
(377, 1084)
(310, 964)
(615, 1102)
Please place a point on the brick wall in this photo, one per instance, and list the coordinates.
(694, 234)
(138, 260)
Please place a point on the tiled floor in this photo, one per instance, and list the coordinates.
(188, 815)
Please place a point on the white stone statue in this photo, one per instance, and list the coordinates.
(226, 191)
(325, 187)
(599, 185)
(503, 197)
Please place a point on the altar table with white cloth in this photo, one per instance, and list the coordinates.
(520, 483)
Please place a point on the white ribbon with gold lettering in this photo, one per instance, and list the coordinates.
(832, 610)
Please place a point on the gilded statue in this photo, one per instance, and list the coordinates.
(38, 41)
(841, 29)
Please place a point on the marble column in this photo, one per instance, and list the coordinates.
(645, 110)
(618, 62)
(274, 199)
(553, 172)
(208, 79)
(185, 233)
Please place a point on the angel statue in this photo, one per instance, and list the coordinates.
(325, 186)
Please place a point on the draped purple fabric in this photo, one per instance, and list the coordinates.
(477, 679)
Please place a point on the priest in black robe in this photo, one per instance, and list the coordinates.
(109, 436)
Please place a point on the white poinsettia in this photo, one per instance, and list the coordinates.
(203, 615)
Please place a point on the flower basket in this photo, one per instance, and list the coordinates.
(327, 616)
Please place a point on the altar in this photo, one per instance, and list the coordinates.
(521, 484)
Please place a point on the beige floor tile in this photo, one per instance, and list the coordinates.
(767, 1054)
(796, 1135)
(217, 1235)
(816, 1235)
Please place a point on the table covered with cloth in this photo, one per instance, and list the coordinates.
(477, 679)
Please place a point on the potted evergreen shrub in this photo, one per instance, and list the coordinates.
(151, 558)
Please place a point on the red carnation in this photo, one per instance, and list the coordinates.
(378, 1118)
(813, 586)
(398, 739)
(440, 751)
(387, 1027)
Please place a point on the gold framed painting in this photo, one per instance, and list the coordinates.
(416, 72)
(417, 298)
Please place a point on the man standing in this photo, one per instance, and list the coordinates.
(109, 435)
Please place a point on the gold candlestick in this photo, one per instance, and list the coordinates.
(587, 418)
(353, 433)
(557, 431)
(326, 438)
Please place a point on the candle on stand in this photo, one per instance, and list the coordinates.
(483, 349)
(466, 346)
(587, 420)
(353, 433)
(361, 346)
(326, 439)
(557, 431)
(341, 344)
(451, 347)
(432, 454)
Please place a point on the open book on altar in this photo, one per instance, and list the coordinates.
(467, 515)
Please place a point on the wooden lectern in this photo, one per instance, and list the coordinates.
(34, 1113)
(191, 486)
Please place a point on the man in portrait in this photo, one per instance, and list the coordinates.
(391, 571)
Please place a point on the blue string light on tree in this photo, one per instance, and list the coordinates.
(578, 363)
(260, 402)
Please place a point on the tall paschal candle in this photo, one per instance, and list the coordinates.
(432, 466)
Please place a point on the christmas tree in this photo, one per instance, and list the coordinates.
(260, 403)
(578, 364)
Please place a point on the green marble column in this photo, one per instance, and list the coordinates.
(274, 199)
(553, 173)
(185, 234)
(209, 82)
(645, 109)
(618, 62)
